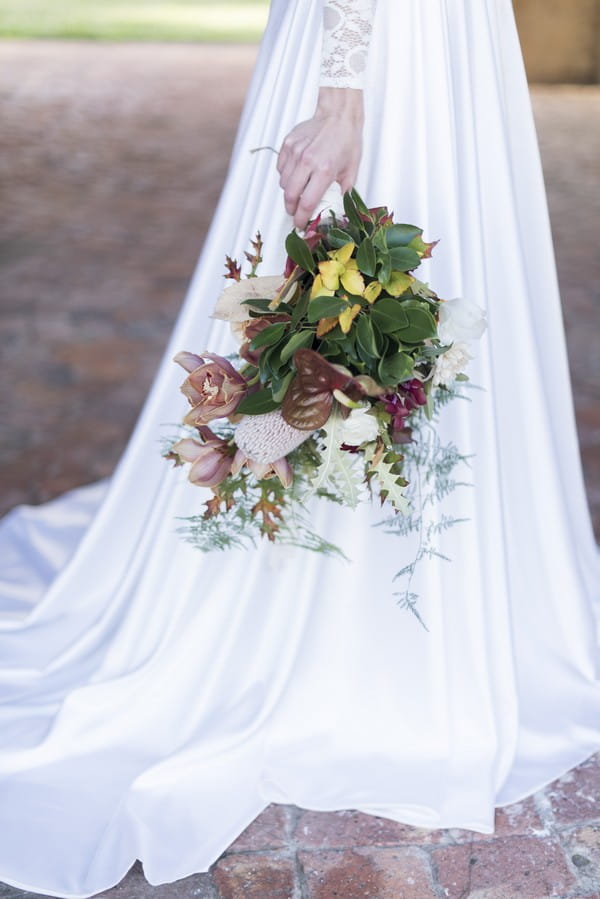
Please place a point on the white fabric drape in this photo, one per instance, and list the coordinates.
(154, 700)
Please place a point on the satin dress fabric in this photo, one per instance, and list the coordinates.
(155, 699)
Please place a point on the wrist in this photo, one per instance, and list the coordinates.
(343, 102)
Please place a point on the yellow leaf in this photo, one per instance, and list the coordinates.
(398, 283)
(353, 282)
(319, 290)
(347, 317)
(372, 291)
(330, 273)
(344, 253)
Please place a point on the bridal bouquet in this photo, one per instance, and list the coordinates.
(343, 363)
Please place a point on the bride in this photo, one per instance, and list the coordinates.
(155, 700)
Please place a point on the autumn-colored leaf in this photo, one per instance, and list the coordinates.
(234, 270)
(326, 325)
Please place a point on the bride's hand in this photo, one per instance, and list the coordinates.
(322, 150)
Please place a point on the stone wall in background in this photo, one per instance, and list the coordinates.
(560, 39)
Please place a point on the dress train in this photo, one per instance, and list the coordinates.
(154, 700)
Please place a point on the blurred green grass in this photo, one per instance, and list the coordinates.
(143, 20)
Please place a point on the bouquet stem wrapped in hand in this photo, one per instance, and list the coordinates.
(342, 360)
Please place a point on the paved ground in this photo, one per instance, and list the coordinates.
(111, 160)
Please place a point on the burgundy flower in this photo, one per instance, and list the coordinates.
(214, 389)
(408, 396)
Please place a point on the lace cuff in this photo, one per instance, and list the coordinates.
(346, 37)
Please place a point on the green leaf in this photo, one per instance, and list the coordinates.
(404, 259)
(378, 239)
(385, 268)
(273, 357)
(299, 309)
(401, 235)
(389, 315)
(365, 258)
(365, 336)
(299, 251)
(421, 289)
(382, 341)
(395, 369)
(333, 352)
(296, 341)
(325, 307)
(258, 403)
(269, 336)
(261, 305)
(338, 238)
(352, 212)
(279, 388)
(348, 340)
(359, 202)
(421, 323)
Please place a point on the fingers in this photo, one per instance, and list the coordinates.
(313, 192)
(293, 181)
(305, 177)
(314, 155)
(294, 172)
(292, 147)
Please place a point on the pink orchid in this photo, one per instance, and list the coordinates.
(214, 389)
(262, 470)
(211, 461)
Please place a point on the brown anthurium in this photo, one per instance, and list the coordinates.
(309, 398)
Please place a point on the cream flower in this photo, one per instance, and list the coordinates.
(359, 427)
(460, 319)
(451, 363)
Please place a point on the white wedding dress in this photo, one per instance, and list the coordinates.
(153, 699)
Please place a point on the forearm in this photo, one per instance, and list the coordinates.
(328, 147)
(347, 27)
(341, 102)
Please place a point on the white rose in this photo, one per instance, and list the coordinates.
(460, 319)
(451, 363)
(359, 427)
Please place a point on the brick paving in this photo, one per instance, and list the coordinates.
(111, 161)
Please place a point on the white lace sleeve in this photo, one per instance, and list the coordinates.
(346, 37)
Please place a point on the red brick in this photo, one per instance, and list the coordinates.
(259, 875)
(267, 831)
(575, 797)
(583, 851)
(345, 829)
(519, 818)
(378, 873)
(503, 869)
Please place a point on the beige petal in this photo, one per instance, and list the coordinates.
(229, 305)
